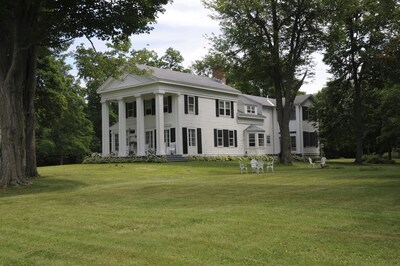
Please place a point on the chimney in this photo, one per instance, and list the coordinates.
(218, 74)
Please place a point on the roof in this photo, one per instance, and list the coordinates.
(254, 128)
(170, 76)
(265, 101)
(260, 100)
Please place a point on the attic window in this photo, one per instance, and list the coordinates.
(251, 109)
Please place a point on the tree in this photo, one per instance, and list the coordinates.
(358, 33)
(27, 24)
(63, 130)
(273, 39)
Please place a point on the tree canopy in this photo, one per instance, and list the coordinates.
(27, 24)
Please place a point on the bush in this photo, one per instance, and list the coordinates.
(225, 158)
(96, 158)
(376, 159)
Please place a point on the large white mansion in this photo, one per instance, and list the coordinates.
(179, 113)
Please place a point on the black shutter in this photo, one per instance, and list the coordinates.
(186, 104)
(232, 110)
(215, 137)
(153, 106)
(184, 140)
(126, 110)
(144, 107)
(235, 138)
(134, 109)
(226, 138)
(217, 107)
(199, 144)
(173, 135)
(169, 99)
(196, 105)
(155, 139)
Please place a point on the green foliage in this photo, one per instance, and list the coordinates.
(226, 158)
(98, 159)
(376, 159)
(63, 132)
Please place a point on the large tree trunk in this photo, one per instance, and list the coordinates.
(29, 108)
(358, 123)
(16, 68)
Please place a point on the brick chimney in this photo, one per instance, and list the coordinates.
(218, 74)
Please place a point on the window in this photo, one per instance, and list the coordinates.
(252, 139)
(129, 110)
(251, 109)
(166, 106)
(192, 137)
(167, 139)
(293, 114)
(220, 138)
(191, 104)
(261, 140)
(148, 107)
(293, 142)
(310, 139)
(224, 108)
(231, 138)
(149, 139)
(268, 140)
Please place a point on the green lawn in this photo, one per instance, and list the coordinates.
(203, 213)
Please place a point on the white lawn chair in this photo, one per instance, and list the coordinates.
(260, 166)
(253, 164)
(322, 163)
(270, 165)
(243, 167)
(311, 162)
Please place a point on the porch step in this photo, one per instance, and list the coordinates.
(175, 158)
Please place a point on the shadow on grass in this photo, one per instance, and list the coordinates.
(42, 185)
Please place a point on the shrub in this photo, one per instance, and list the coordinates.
(98, 159)
(376, 159)
(224, 158)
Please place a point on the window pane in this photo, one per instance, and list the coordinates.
(252, 140)
(192, 137)
(231, 139)
(220, 138)
(261, 140)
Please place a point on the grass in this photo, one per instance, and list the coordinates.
(203, 213)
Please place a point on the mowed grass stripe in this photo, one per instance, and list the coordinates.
(203, 213)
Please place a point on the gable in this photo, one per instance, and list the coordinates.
(130, 80)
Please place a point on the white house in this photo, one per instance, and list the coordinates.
(179, 113)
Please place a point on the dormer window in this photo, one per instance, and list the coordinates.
(251, 109)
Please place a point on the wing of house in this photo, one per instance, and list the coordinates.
(180, 113)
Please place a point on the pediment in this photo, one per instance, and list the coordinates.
(129, 80)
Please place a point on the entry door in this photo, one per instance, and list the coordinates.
(192, 141)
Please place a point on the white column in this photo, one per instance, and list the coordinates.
(160, 123)
(298, 132)
(178, 111)
(105, 124)
(140, 132)
(122, 128)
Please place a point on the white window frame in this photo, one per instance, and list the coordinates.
(225, 108)
(149, 140)
(191, 104)
(192, 137)
(268, 140)
(167, 137)
(220, 138)
(261, 139)
(251, 109)
(231, 138)
(165, 105)
(252, 140)
(129, 109)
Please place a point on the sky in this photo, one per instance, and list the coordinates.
(185, 26)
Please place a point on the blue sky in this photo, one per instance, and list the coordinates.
(184, 27)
